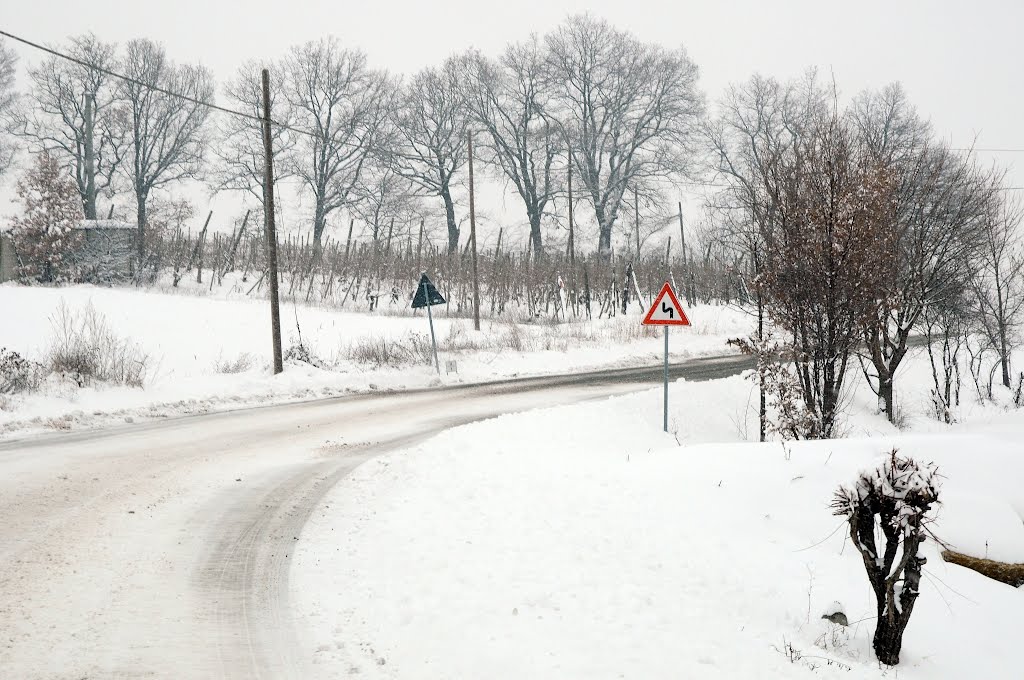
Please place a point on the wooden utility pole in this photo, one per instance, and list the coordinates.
(472, 232)
(419, 246)
(636, 218)
(682, 232)
(572, 234)
(348, 241)
(687, 290)
(268, 210)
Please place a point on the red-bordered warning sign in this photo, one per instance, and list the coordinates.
(666, 310)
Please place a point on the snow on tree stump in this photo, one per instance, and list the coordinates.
(894, 500)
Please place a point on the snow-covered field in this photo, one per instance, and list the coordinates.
(579, 541)
(190, 339)
(582, 542)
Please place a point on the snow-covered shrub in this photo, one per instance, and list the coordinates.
(18, 374)
(44, 233)
(890, 502)
(298, 353)
(240, 364)
(413, 349)
(774, 373)
(513, 338)
(85, 349)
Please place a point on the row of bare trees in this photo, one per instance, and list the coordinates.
(140, 134)
(590, 99)
(859, 225)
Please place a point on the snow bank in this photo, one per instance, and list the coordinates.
(188, 337)
(581, 542)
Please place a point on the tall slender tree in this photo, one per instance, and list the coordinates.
(8, 65)
(942, 200)
(343, 104)
(75, 113)
(240, 150)
(167, 106)
(998, 281)
(430, 125)
(629, 111)
(509, 97)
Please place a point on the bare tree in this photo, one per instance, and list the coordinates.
(344, 105)
(749, 140)
(941, 200)
(509, 97)
(8, 64)
(826, 258)
(431, 130)
(628, 111)
(998, 281)
(167, 131)
(74, 112)
(384, 198)
(948, 324)
(240, 151)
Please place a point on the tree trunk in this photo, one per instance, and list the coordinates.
(89, 152)
(1004, 354)
(453, 227)
(762, 411)
(885, 397)
(319, 224)
(535, 236)
(604, 241)
(888, 639)
(140, 215)
(890, 626)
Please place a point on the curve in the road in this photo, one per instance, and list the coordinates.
(163, 549)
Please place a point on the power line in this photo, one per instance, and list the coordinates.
(727, 186)
(150, 86)
(984, 150)
(128, 79)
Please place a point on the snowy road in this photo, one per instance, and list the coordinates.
(162, 550)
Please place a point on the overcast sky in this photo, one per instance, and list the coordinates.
(962, 63)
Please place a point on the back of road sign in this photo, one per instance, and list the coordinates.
(666, 310)
(426, 294)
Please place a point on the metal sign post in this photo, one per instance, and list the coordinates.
(666, 311)
(666, 378)
(433, 338)
(427, 295)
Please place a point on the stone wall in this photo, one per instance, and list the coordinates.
(106, 254)
(8, 260)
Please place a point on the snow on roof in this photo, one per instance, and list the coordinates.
(104, 224)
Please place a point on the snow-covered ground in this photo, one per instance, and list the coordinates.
(190, 339)
(582, 542)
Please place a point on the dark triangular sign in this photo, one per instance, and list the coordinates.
(426, 294)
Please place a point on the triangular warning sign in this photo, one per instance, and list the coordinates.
(666, 310)
(426, 293)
